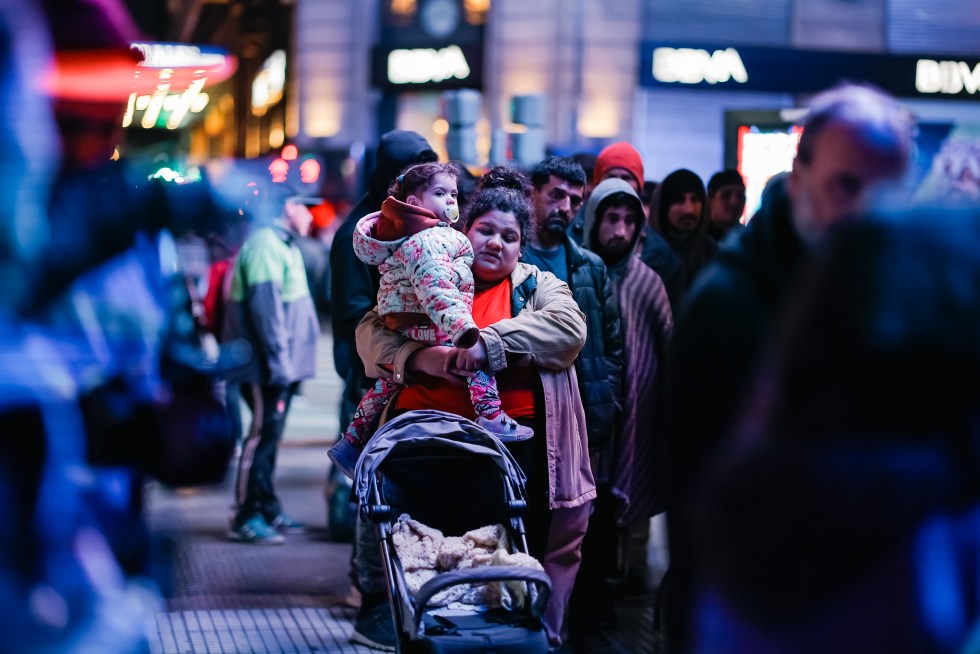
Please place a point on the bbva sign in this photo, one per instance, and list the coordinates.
(694, 66)
(426, 65)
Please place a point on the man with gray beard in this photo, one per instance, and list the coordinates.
(855, 141)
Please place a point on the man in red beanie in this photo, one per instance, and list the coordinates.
(619, 160)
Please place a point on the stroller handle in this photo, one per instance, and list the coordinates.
(482, 575)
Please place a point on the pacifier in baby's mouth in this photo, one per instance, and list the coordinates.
(451, 212)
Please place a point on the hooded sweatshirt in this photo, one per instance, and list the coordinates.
(425, 268)
(602, 191)
(647, 326)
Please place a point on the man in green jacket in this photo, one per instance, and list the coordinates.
(272, 310)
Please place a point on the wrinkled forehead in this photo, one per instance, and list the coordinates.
(879, 149)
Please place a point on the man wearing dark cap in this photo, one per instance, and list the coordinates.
(271, 308)
(680, 218)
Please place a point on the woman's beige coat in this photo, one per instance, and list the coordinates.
(547, 332)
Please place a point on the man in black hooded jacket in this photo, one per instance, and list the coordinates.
(354, 284)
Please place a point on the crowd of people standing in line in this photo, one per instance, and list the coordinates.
(797, 393)
(682, 303)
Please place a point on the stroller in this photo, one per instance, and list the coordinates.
(451, 475)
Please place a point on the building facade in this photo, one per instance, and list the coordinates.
(572, 75)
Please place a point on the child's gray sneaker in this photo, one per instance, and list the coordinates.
(505, 428)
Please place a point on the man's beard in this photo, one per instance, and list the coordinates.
(689, 222)
(556, 224)
(614, 250)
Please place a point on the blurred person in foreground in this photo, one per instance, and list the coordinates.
(53, 593)
(856, 140)
(100, 383)
(108, 279)
(844, 514)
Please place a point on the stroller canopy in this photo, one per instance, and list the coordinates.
(425, 429)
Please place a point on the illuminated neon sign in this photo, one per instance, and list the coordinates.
(694, 66)
(427, 65)
(179, 55)
(949, 77)
(790, 70)
(170, 82)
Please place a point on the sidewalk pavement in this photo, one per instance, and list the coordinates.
(227, 597)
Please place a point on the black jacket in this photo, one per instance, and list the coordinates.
(353, 283)
(721, 329)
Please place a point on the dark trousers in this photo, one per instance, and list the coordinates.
(233, 407)
(592, 601)
(254, 491)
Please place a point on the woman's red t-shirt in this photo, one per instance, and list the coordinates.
(516, 385)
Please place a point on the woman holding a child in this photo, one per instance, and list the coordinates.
(531, 331)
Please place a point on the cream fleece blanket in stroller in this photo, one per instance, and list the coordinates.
(425, 552)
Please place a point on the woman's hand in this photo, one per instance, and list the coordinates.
(472, 359)
(436, 361)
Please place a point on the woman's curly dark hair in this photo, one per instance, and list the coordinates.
(506, 176)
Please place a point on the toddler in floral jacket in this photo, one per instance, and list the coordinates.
(426, 294)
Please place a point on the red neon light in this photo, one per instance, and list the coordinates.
(309, 171)
(279, 169)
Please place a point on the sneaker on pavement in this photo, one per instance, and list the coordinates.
(286, 524)
(505, 428)
(344, 455)
(375, 628)
(256, 531)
